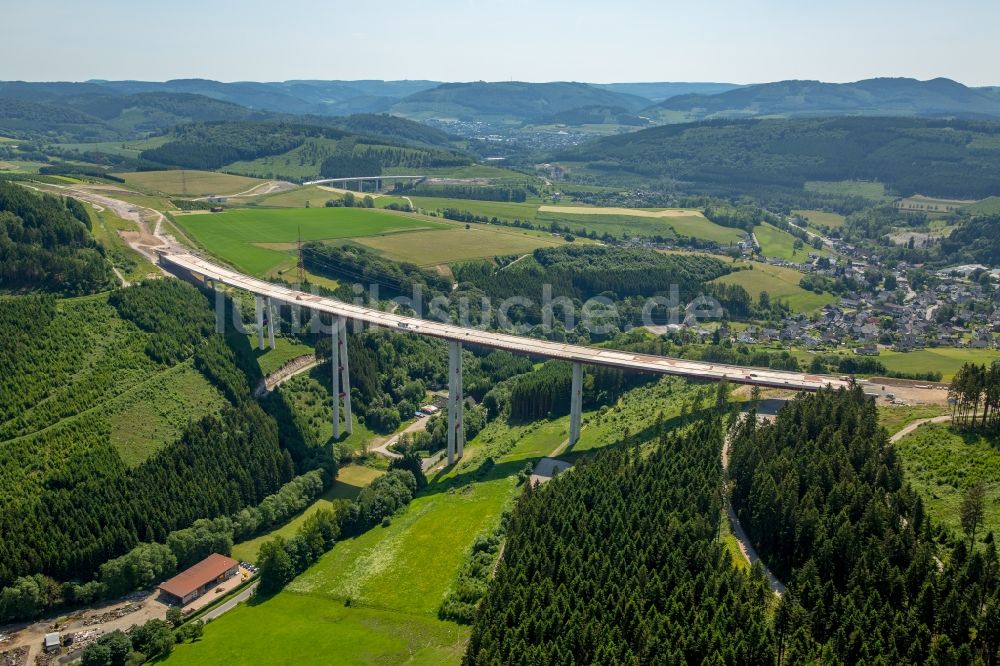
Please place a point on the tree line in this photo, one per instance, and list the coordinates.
(974, 394)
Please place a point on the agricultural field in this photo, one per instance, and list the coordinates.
(848, 188)
(988, 206)
(646, 222)
(123, 148)
(779, 282)
(312, 196)
(614, 221)
(932, 205)
(186, 182)
(350, 480)
(946, 360)
(430, 248)
(781, 245)
(941, 463)
(301, 163)
(819, 218)
(257, 241)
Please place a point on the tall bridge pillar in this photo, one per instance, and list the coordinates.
(220, 306)
(345, 378)
(270, 321)
(456, 402)
(575, 404)
(258, 306)
(341, 381)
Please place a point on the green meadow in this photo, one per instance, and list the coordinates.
(941, 463)
(779, 282)
(257, 241)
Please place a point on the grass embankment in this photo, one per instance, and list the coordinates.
(105, 226)
(819, 218)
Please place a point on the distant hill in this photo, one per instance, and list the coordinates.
(948, 158)
(511, 102)
(85, 112)
(378, 142)
(596, 115)
(657, 92)
(326, 98)
(884, 96)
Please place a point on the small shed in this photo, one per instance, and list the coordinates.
(51, 642)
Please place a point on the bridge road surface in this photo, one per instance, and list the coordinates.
(512, 343)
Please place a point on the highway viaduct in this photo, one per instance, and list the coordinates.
(361, 180)
(267, 294)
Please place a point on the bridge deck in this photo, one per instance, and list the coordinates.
(513, 343)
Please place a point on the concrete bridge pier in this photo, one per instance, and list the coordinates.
(220, 305)
(258, 306)
(576, 404)
(270, 321)
(341, 381)
(345, 377)
(456, 403)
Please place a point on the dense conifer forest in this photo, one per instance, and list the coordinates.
(67, 502)
(822, 496)
(616, 561)
(45, 243)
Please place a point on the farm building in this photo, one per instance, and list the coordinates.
(429, 410)
(191, 583)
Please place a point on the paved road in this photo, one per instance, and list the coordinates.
(383, 448)
(231, 604)
(513, 343)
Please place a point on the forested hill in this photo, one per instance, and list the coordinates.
(45, 243)
(509, 100)
(122, 418)
(387, 142)
(32, 113)
(959, 159)
(882, 97)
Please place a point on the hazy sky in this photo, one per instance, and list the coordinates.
(462, 40)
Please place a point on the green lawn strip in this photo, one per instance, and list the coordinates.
(303, 629)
